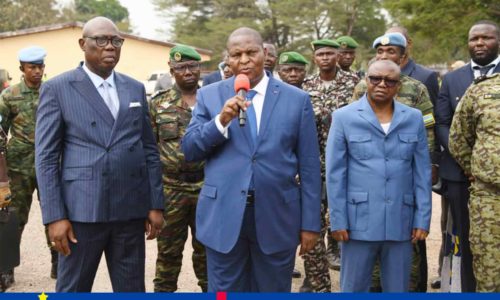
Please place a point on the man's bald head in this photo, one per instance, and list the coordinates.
(96, 23)
(384, 65)
(245, 31)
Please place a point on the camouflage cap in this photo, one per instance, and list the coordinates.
(292, 57)
(347, 42)
(390, 39)
(317, 44)
(183, 52)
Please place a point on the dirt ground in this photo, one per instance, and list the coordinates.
(33, 273)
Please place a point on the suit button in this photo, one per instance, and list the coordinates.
(107, 149)
(93, 124)
(135, 122)
(387, 159)
(243, 193)
(131, 149)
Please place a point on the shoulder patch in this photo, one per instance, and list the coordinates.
(158, 93)
(429, 120)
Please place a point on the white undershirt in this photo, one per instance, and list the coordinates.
(477, 73)
(257, 102)
(386, 126)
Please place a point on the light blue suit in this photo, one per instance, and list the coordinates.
(286, 146)
(379, 185)
(92, 169)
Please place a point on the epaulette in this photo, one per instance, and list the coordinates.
(158, 93)
(485, 77)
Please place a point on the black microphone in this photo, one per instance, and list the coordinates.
(241, 87)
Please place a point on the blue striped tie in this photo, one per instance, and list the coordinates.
(252, 123)
(251, 117)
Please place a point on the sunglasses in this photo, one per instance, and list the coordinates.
(102, 41)
(376, 80)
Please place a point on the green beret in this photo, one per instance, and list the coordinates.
(317, 44)
(292, 57)
(347, 42)
(183, 52)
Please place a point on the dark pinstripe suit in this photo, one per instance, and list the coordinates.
(101, 174)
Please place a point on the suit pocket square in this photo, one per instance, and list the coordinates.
(135, 104)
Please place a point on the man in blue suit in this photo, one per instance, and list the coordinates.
(216, 75)
(98, 167)
(252, 212)
(484, 40)
(378, 183)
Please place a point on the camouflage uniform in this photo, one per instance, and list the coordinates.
(182, 182)
(325, 99)
(414, 94)
(475, 144)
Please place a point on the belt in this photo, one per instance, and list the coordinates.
(250, 198)
(187, 177)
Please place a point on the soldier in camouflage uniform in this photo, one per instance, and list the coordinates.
(170, 115)
(413, 93)
(475, 144)
(18, 104)
(329, 90)
(347, 53)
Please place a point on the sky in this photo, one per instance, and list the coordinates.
(145, 20)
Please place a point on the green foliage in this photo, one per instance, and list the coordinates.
(439, 29)
(290, 25)
(23, 14)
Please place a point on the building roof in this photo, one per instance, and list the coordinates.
(53, 27)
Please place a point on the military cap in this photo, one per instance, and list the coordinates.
(390, 39)
(292, 57)
(317, 44)
(347, 42)
(183, 52)
(33, 55)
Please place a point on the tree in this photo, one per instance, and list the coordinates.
(84, 10)
(290, 25)
(440, 28)
(23, 14)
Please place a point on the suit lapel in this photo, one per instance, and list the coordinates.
(398, 116)
(270, 100)
(124, 99)
(87, 90)
(366, 112)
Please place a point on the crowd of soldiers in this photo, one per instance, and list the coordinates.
(473, 142)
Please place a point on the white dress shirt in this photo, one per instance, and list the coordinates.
(257, 102)
(477, 73)
(113, 93)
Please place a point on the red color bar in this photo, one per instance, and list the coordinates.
(221, 296)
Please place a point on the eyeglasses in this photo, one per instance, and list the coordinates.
(181, 68)
(376, 80)
(102, 41)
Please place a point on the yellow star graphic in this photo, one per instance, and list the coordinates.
(42, 296)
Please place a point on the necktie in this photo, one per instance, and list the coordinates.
(252, 124)
(251, 116)
(484, 70)
(108, 100)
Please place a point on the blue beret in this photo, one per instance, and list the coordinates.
(390, 39)
(33, 55)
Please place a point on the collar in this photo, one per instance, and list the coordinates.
(261, 87)
(98, 80)
(494, 63)
(406, 70)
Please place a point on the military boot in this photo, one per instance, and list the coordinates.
(306, 286)
(6, 280)
(54, 260)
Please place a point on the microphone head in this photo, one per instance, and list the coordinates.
(241, 83)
